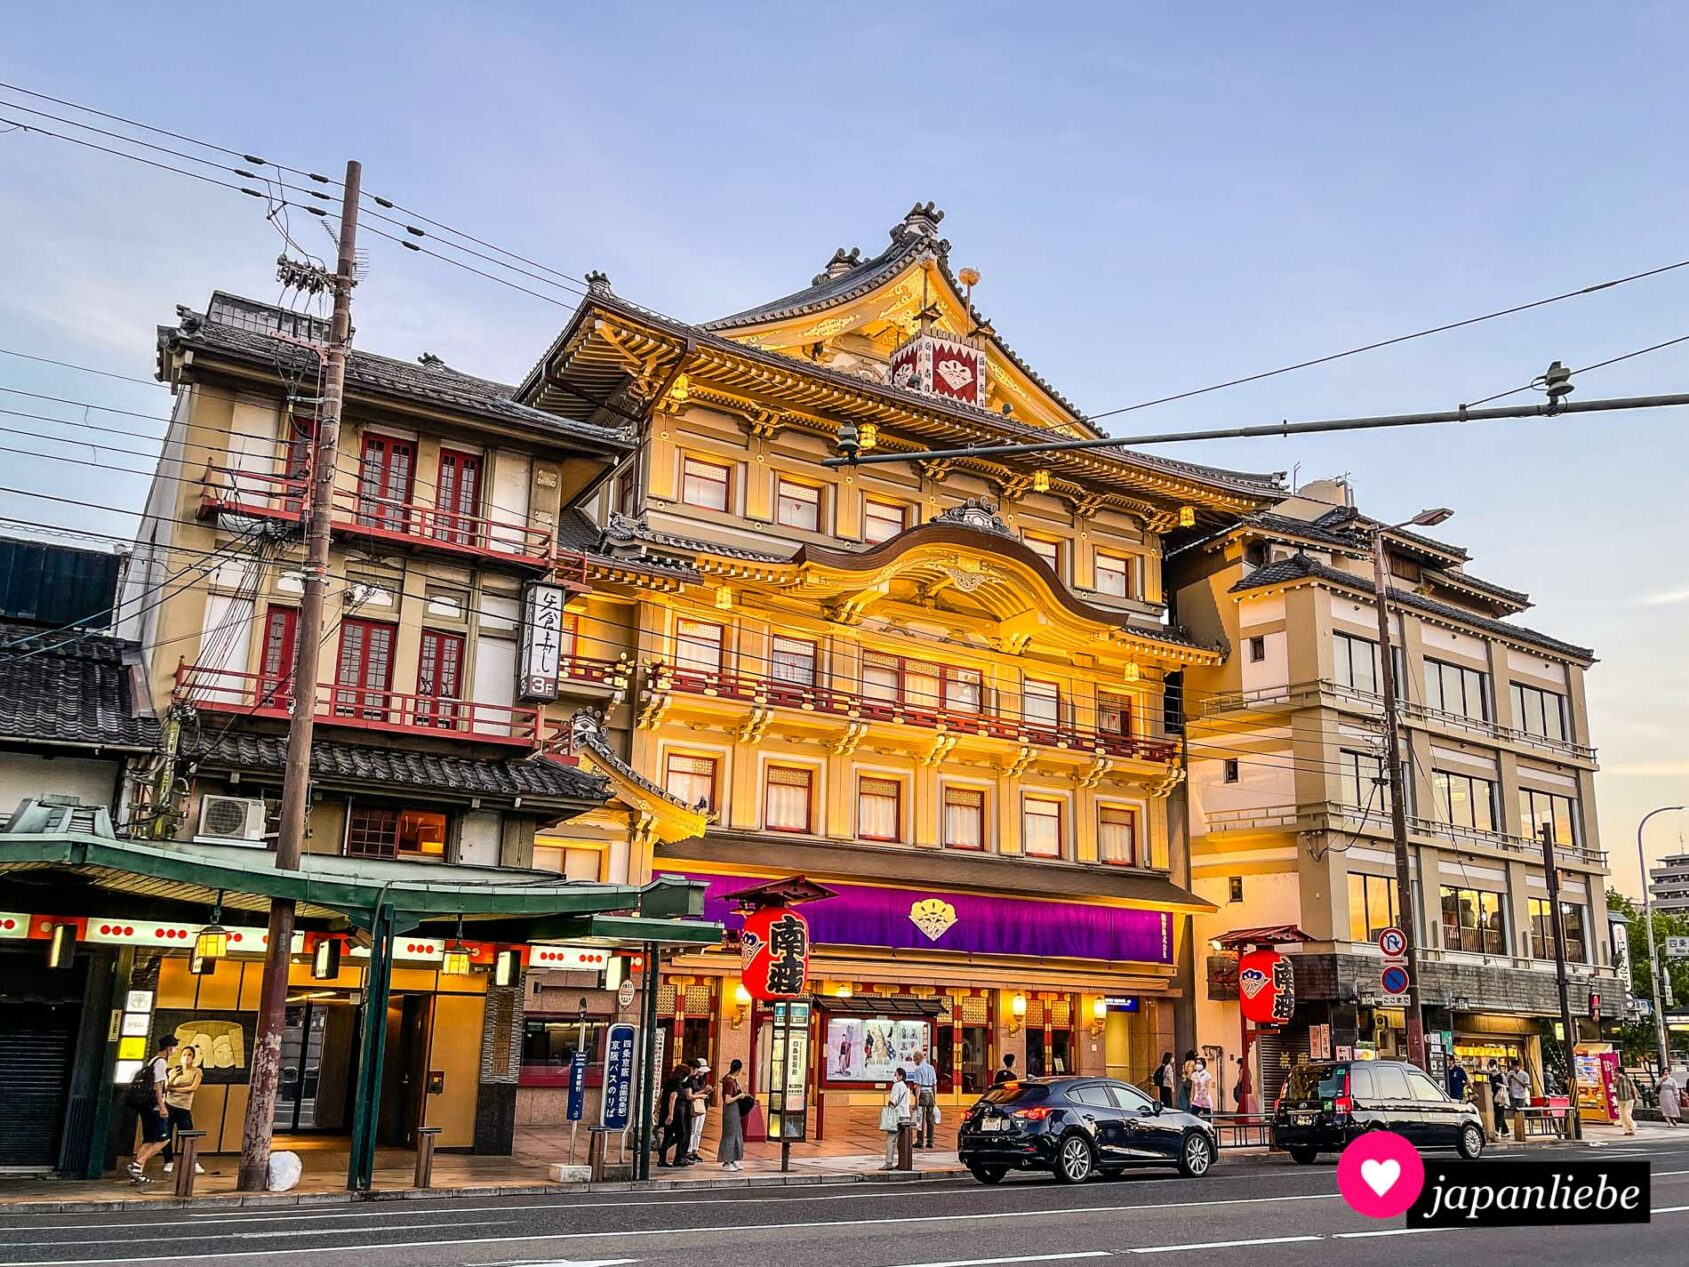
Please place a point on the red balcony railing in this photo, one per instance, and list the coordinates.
(360, 707)
(236, 490)
(859, 707)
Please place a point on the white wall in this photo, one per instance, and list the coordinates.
(93, 781)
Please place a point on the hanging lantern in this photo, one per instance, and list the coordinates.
(211, 943)
(1187, 516)
(1132, 672)
(868, 434)
(1041, 481)
(456, 961)
(724, 597)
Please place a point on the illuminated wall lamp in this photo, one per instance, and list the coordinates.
(507, 967)
(1099, 1016)
(61, 946)
(325, 959)
(742, 1004)
(1017, 1009)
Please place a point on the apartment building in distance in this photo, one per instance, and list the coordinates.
(1668, 883)
(1290, 817)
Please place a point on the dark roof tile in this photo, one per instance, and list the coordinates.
(69, 688)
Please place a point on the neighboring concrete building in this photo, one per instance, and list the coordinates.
(1668, 883)
(937, 689)
(1290, 821)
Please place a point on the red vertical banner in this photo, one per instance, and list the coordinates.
(774, 948)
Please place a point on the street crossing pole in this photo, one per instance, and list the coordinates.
(296, 785)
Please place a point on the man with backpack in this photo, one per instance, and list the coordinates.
(146, 1097)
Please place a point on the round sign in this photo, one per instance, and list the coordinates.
(1393, 942)
(624, 994)
(1394, 979)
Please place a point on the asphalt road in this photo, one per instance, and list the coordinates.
(1257, 1212)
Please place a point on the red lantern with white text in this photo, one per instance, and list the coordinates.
(1266, 988)
(774, 949)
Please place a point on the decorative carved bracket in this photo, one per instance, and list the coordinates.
(1162, 522)
(752, 728)
(1163, 787)
(1086, 505)
(936, 469)
(939, 749)
(1094, 773)
(659, 694)
(765, 424)
(854, 733)
(1022, 759)
(1010, 486)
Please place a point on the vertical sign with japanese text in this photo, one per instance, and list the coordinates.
(542, 641)
(774, 949)
(577, 1086)
(616, 1108)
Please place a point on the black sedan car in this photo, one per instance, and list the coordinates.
(1079, 1127)
(1326, 1104)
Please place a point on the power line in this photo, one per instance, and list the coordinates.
(47, 360)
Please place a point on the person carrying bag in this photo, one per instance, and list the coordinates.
(897, 1113)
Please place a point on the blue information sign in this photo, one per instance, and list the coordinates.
(616, 1111)
(577, 1086)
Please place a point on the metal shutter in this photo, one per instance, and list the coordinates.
(37, 1043)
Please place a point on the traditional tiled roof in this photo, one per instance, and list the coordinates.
(1301, 567)
(1302, 529)
(538, 778)
(69, 688)
(246, 330)
(1348, 517)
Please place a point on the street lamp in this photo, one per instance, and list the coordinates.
(1653, 953)
(1393, 769)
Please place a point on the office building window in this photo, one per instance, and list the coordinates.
(1463, 800)
(1041, 827)
(1539, 808)
(1453, 688)
(1040, 704)
(1047, 549)
(1539, 712)
(964, 817)
(1114, 575)
(377, 831)
(690, 780)
(1372, 905)
(882, 520)
(892, 679)
(697, 646)
(1473, 920)
(786, 799)
(879, 808)
(707, 485)
(797, 505)
(1542, 930)
(1360, 782)
(1117, 835)
(1355, 663)
(1257, 649)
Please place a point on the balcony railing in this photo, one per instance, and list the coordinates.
(855, 706)
(357, 511)
(1494, 730)
(1253, 818)
(359, 707)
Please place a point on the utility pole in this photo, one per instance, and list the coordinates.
(1557, 927)
(1398, 799)
(296, 785)
(1653, 952)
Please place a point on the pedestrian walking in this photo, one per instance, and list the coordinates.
(1456, 1079)
(1671, 1097)
(676, 1118)
(146, 1097)
(924, 1079)
(1007, 1072)
(897, 1113)
(700, 1090)
(1186, 1069)
(1163, 1078)
(1202, 1089)
(1498, 1095)
(1519, 1088)
(179, 1091)
(1624, 1090)
(734, 1102)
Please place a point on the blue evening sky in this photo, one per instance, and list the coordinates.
(1158, 197)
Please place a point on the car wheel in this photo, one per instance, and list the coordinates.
(1303, 1156)
(1075, 1162)
(1196, 1156)
(988, 1174)
(1471, 1144)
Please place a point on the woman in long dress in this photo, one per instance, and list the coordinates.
(731, 1151)
(1671, 1098)
(897, 1112)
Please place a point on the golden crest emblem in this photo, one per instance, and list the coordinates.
(933, 916)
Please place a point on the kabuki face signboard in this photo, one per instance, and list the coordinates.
(1266, 988)
(774, 948)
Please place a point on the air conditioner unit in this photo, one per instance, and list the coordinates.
(233, 820)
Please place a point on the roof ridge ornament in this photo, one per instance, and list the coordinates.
(921, 221)
(598, 283)
(843, 262)
(978, 513)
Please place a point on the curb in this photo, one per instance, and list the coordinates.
(284, 1200)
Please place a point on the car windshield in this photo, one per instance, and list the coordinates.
(1017, 1093)
(1314, 1082)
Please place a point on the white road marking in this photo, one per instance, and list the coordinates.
(1394, 1231)
(1022, 1258)
(1264, 1240)
(232, 1236)
(366, 1246)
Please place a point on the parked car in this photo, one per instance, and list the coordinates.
(1326, 1104)
(1079, 1127)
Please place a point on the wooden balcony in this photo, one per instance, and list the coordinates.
(238, 491)
(855, 706)
(359, 708)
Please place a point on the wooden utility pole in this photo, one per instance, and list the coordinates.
(296, 786)
(1557, 930)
